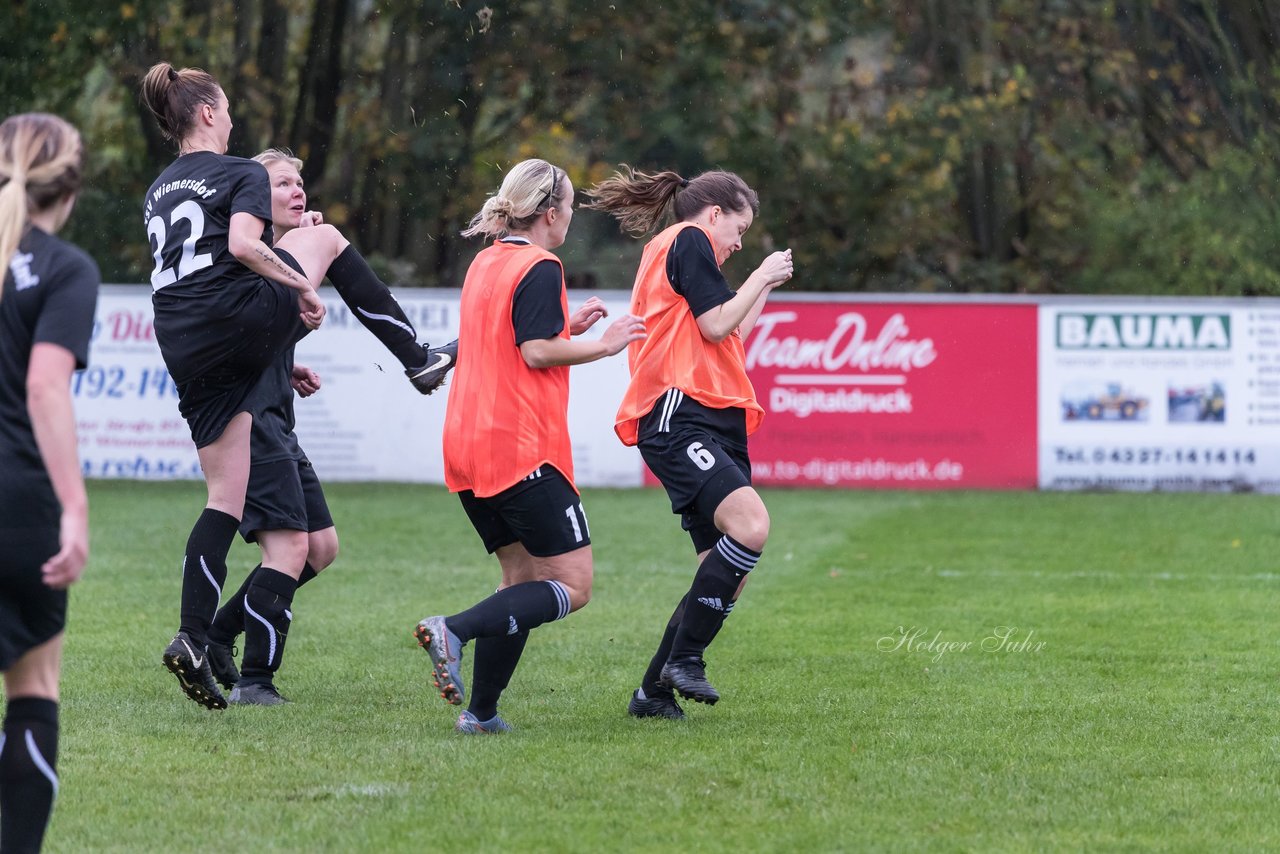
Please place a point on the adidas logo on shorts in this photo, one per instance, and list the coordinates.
(712, 602)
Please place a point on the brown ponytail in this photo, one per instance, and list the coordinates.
(173, 97)
(640, 200)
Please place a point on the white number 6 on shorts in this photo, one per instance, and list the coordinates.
(702, 458)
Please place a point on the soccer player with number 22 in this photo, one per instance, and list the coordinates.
(227, 305)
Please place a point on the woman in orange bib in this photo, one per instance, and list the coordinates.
(506, 439)
(690, 406)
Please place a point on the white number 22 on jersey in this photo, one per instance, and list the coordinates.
(190, 261)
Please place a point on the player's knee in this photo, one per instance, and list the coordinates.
(288, 554)
(35, 673)
(285, 551)
(751, 528)
(335, 241)
(324, 233)
(579, 596)
(322, 548)
(324, 239)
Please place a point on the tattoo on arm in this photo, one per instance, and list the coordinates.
(278, 265)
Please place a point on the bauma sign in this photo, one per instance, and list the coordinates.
(1144, 331)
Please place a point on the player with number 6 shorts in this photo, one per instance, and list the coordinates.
(506, 437)
(690, 406)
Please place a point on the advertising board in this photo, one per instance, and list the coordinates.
(902, 395)
(1159, 395)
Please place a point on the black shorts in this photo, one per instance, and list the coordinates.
(216, 347)
(30, 612)
(284, 496)
(543, 513)
(699, 454)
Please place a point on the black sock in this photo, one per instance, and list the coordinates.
(266, 624)
(28, 779)
(711, 597)
(308, 573)
(204, 570)
(511, 611)
(495, 660)
(649, 684)
(229, 621)
(375, 307)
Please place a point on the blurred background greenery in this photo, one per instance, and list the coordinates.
(1004, 146)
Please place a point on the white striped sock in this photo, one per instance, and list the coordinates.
(209, 575)
(38, 759)
(737, 555)
(562, 599)
(271, 632)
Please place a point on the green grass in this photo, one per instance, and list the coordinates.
(1147, 719)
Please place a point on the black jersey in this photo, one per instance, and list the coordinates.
(187, 213)
(50, 295)
(535, 307)
(218, 323)
(272, 438)
(694, 273)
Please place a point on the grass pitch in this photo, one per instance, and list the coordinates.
(954, 671)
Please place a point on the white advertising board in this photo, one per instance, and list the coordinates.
(126, 404)
(1131, 394)
(366, 423)
(1159, 395)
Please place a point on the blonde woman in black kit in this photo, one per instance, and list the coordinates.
(285, 513)
(227, 305)
(46, 318)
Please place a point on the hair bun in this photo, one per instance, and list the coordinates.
(502, 206)
(173, 75)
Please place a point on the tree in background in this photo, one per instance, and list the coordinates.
(996, 145)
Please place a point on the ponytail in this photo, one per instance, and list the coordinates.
(40, 164)
(13, 215)
(640, 201)
(173, 97)
(528, 191)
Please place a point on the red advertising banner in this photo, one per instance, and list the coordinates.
(895, 395)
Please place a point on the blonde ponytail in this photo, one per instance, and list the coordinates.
(13, 219)
(40, 161)
(530, 188)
